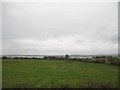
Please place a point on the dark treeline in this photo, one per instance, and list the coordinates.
(110, 60)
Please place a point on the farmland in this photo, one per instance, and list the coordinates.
(31, 73)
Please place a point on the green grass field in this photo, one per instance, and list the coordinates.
(0, 73)
(57, 74)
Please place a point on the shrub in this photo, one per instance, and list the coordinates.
(16, 58)
(113, 60)
(4, 57)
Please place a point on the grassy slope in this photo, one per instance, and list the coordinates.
(0, 73)
(51, 73)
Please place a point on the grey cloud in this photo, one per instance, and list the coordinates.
(82, 25)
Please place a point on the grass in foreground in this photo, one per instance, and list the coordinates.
(57, 74)
(0, 73)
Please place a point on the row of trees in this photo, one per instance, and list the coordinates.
(45, 57)
(111, 60)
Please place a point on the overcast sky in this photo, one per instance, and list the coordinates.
(59, 28)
